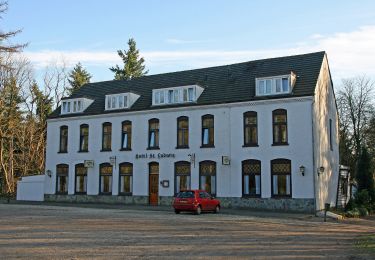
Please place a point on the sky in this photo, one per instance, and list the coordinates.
(180, 35)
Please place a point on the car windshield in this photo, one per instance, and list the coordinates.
(185, 194)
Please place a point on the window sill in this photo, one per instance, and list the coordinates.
(207, 146)
(85, 151)
(62, 152)
(182, 147)
(125, 194)
(281, 196)
(280, 144)
(80, 193)
(61, 193)
(153, 148)
(125, 149)
(250, 145)
(105, 193)
(106, 150)
(251, 196)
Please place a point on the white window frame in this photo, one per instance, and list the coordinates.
(72, 106)
(176, 95)
(113, 102)
(264, 91)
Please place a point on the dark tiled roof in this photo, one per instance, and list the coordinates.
(222, 84)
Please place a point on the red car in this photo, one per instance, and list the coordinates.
(196, 201)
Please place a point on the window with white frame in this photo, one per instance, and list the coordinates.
(176, 95)
(117, 101)
(76, 105)
(273, 85)
(72, 106)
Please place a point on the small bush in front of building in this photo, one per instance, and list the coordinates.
(350, 205)
(363, 211)
(363, 199)
(354, 213)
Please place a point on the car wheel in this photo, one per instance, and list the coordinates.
(217, 209)
(177, 211)
(198, 211)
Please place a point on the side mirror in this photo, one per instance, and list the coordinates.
(212, 197)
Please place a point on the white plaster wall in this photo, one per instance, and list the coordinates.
(299, 150)
(228, 141)
(31, 188)
(324, 108)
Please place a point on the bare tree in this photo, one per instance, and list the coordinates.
(55, 81)
(12, 78)
(356, 105)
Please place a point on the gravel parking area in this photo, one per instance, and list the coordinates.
(71, 232)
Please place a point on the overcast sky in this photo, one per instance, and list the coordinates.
(179, 35)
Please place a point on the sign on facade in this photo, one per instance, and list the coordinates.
(89, 163)
(225, 160)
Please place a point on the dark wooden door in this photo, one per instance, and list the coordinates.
(154, 189)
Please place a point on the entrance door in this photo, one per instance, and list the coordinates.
(153, 188)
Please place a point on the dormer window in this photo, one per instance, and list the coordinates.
(117, 101)
(275, 85)
(76, 105)
(176, 95)
(120, 101)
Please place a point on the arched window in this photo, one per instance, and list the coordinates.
(281, 181)
(105, 183)
(251, 172)
(107, 137)
(126, 178)
(183, 132)
(153, 133)
(62, 178)
(80, 179)
(280, 127)
(63, 139)
(208, 131)
(84, 138)
(250, 124)
(126, 135)
(207, 176)
(182, 176)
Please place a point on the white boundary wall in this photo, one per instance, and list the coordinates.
(31, 188)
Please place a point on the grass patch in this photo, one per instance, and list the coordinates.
(367, 243)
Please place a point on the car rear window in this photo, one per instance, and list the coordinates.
(185, 194)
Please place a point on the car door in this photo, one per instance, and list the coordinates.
(204, 200)
(210, 202)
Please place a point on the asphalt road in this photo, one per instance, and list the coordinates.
(93, 232)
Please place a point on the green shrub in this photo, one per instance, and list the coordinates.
(350, 205)
(363, 211)
(363, 199)
(354, 213)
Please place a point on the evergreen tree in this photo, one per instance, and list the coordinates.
(133, 64)
(43, 103)
(10, 122)
(77, 77)
(4, 36)
(365, 176)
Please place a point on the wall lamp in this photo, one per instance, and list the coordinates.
(302, 170)
(49, 173)
(320, 170)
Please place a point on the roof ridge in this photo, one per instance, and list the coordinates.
(223, 84)
(212, 67)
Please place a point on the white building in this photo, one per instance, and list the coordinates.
(261, 134)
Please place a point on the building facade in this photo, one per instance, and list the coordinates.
(259, 134)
